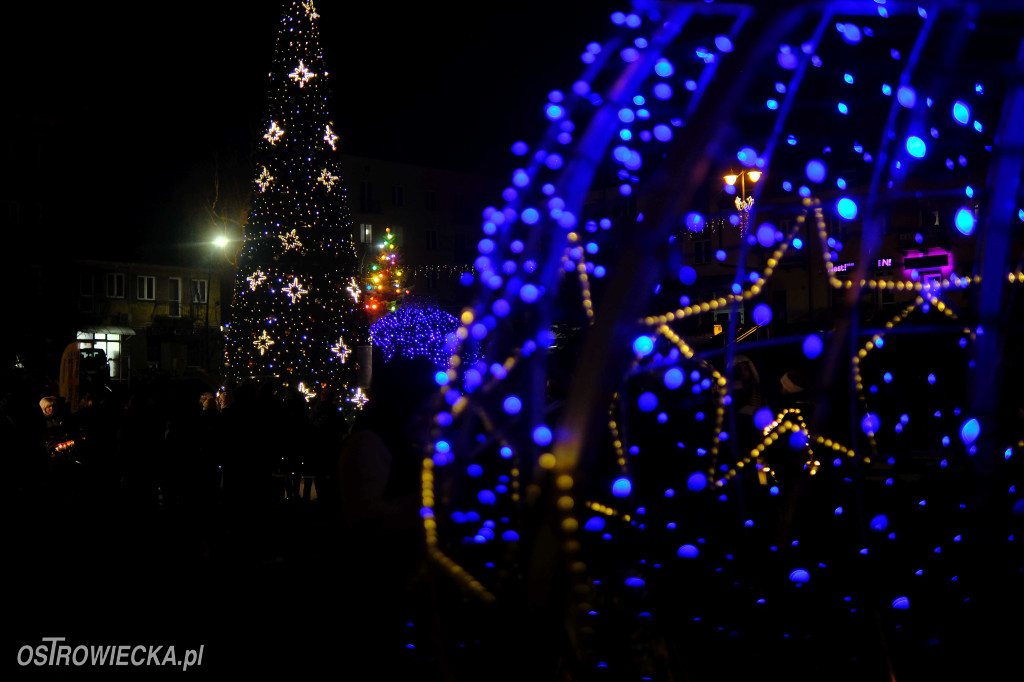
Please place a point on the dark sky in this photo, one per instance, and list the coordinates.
(147, 95)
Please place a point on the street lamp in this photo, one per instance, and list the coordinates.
(220, 241)
(743, 202)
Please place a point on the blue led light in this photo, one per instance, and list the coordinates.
(647, 402)
(964, 221)
(816, 170)
(969, 431)
(916, 147)
(766, 234)
(851, 33)
(622, 487)
(906, 96)
(529, 293)
(664, 68)
(901, 603)
(961, 112)
(643, 346)
(673, 378)
(747, 156)
(688, 552)
(762, 314)
(512, 405)
(687, 275)
(542, 435)
(799, 576)
(879, 523)
(694, 222)
(870, 423)
(846, 208)
(696, 482)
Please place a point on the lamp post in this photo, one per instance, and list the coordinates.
(743, 202)
(220, 241)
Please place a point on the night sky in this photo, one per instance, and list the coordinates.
(146, 97)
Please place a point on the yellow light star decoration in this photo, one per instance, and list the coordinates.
(308, 392)
(295, 290)
(264, 179)
(290, 241)
(353, 289)
(301, 75)
(310, 10)
(255, 279)
(359, 398)
(273, 133)
(330, 138)
(340, 349)
(263, 343)
(327, 179)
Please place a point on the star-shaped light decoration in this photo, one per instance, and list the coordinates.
(330, 138)
(340, 349)
(359, 398)
(301, 74)
(273, 133)
(295, 290)
(308, 392)
(328, 179)
(255, 279)
(263, 343)
(290, 241)
(264, 179)
(353, 289)
(310, 10)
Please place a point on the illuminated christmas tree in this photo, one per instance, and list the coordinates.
(296, 313)
(383, 279)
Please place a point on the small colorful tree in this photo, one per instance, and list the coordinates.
(383, 279)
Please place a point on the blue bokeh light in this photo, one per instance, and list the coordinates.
(799, 576)
(622, 487)
(643, 346)
(674, 378)
(816, 170)
(846, 208)
(812, 346)
(916, 147)
(965, 221)
(647, 402)
(762, 314)
(969, 431)
(688, 552)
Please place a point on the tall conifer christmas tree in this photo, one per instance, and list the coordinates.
(296, 313)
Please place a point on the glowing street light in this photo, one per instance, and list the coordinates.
(743, 202)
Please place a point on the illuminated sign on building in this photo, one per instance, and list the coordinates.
(840, 268)
(925, 264)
